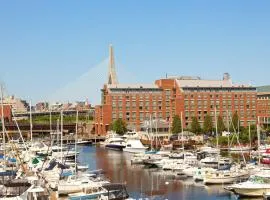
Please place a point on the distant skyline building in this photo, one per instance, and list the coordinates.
(18, 105)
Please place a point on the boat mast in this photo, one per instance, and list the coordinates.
(182, 131)
(50, 121)
(76, 138)
(249, 139)
(31, 125)
(62, 136)
(156, 130)
(3, 125)
(216, 126)
(228, 130)
(259, 139)
(151, 134)
(239, 142)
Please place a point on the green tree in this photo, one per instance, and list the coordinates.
(207, 124)
(176, 125)
(222, 141)
(119, 126)
(220, 125)
(234, 124)
(195, 126)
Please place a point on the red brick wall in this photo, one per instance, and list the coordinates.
(263, 108)
(173, 100)
(7, 113)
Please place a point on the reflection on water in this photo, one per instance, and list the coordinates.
(151, 183)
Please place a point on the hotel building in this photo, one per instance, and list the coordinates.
(263, 106)
(189, 96)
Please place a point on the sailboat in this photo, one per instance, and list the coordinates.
(258, 184)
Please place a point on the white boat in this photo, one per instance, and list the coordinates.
(131, 135)
(82, 167)
(225, 177)
(200, 173)
(134, 146)
(108, 139)
(116, 144)
(139, 158)
(88, 193)
(83, 142)
(74, 185)
(64, 154)
(165, 150)
(189, 171)
(215, 162)
(175, 165)
(256, 186)
(31, 193)
(240, 148)
(210, 150)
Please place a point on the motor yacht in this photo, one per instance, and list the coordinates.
(116, 143)
(134, 146)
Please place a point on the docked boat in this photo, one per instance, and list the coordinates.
(165, 150)
(74, 185)
(189, 171)
(88, 193)
(106, 192)
(108, 139)
(225, 176)
(134, 146)
(215, 162)
(82, 167)
(256, 186)
(240, 148)
(116, 144)
(200, 173)
(83, 142)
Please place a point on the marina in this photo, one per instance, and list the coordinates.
(134, 100)
(95, 169)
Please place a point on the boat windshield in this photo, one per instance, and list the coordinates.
(259, 179)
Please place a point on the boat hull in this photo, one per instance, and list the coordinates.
(251, 192)
(222, 180)
(115, 147)
(134, 150)
(87, 196)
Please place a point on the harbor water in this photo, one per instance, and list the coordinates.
(148, 183)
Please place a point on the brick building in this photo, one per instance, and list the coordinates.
(7, 113)
(263, 106)
(191, 96)
(195, 97)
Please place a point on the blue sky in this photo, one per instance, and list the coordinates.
(57, 50)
